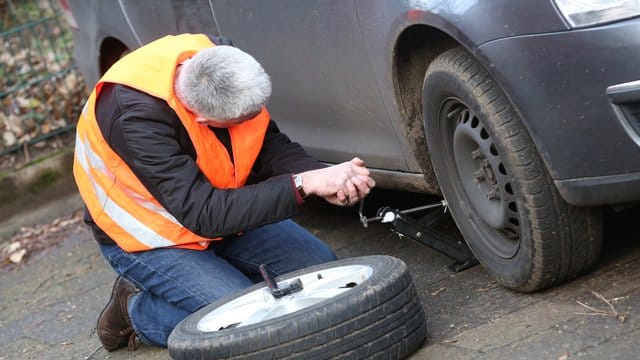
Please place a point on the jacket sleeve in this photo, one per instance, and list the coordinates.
(279, 155)
(151, 140)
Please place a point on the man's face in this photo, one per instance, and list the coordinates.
(225, 124)
(218, 123)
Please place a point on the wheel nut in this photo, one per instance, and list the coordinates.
(478, 176)
(477, 154)
(493, 195)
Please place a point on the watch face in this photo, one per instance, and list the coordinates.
(297, 180)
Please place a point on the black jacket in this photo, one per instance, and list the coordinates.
(148, 135)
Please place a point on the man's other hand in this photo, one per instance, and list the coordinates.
(342, 184)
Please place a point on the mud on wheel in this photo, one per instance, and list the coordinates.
(348, 309)
(500, 194)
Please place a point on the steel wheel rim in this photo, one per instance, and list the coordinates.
(486, 182)
(259, 305)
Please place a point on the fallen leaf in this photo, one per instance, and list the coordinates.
(438, 291)
(69, 222)
(9, 139)
(12, 247)
(17, 256)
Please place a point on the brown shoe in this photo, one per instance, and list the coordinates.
(114, 326)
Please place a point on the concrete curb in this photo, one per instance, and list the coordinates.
(38, 192)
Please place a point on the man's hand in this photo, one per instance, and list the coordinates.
(342, 184)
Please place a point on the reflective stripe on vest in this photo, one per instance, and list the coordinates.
(139, 230)
(116, 199)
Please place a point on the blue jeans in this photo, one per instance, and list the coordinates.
(175, 283)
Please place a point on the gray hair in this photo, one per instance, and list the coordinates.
(222, 83)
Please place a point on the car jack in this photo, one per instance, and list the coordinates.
(424, 232)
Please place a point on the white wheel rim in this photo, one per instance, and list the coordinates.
(259, 305)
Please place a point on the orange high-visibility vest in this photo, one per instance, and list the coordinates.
(116, 199)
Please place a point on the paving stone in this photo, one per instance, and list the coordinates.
(469, 303)
(548, 344)
(619, 279)
(445, 351)
(626, 347)
(24, 348)
(517, 325)
(606, 326)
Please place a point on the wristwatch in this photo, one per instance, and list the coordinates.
(297, 181)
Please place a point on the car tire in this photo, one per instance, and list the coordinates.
(371, 309)
(499, 192)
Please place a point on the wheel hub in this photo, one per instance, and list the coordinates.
(484, 177)
(260, 305)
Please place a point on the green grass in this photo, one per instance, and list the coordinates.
(42, 182)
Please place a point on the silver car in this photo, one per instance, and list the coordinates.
(523, 115)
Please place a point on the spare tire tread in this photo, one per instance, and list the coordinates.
(388, 322)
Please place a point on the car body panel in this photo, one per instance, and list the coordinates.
(471, 22)
(382, 22)
(168, 17)
(94, 30)
(326, 96)
(563, 99)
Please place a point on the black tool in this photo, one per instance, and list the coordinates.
(424, 232)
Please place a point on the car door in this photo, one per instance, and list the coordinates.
(324, 94)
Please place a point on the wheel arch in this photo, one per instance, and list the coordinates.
(415, 48)
(111, 50)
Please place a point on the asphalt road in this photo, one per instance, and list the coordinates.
(48, 307)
